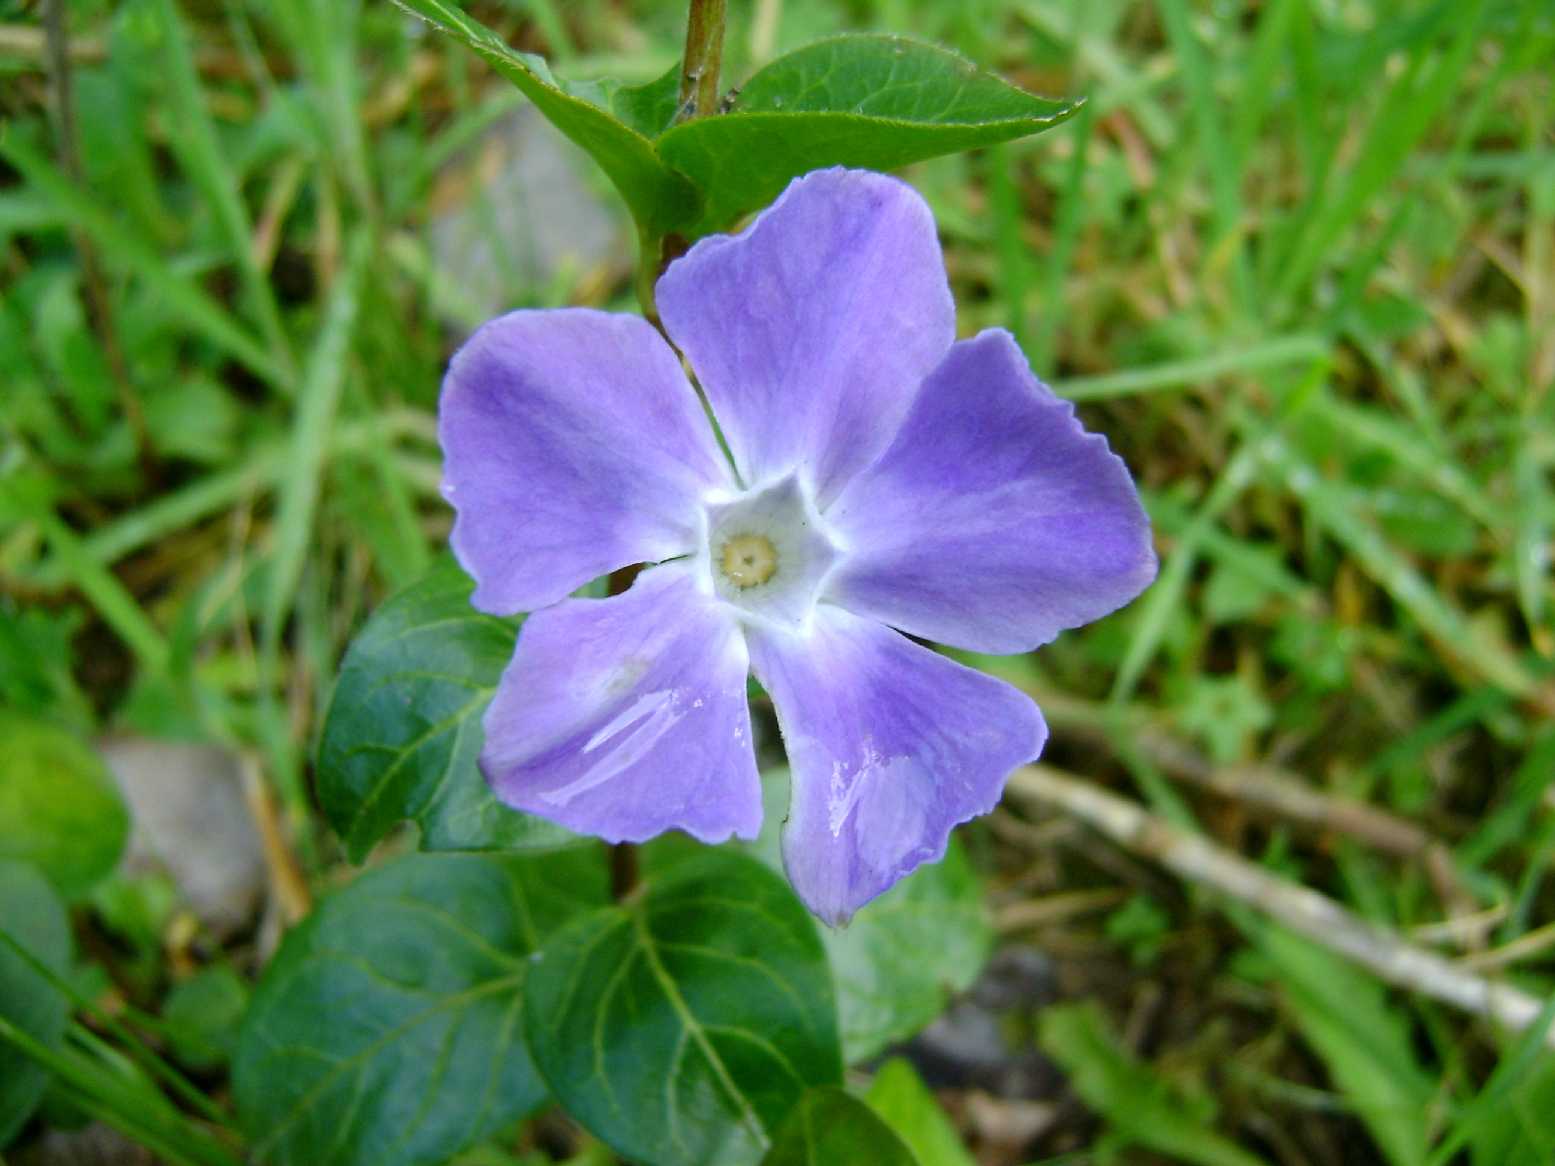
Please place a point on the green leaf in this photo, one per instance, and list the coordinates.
(682, 1026)
(660, 199)
(877, 102)
(903, 956)
(905, 1104)
(59, 807)
(1344, 1014)
(203, 1015)
(32, 921)
(648, 109)
(1519, 1129)
(1137, 1101)
(403, 730)
(1507, 1121)
(829, 1127)
(386, 1031)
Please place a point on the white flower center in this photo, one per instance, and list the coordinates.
(768, 552)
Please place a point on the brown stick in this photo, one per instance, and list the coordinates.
(1265, 787)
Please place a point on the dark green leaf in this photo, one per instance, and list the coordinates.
(905, 1104)
(386, 1032)
(904, 955)
(681, 1027)
(59, 807)
(32, 920)
(877, 102)
(829, 1127)
(403, 730)
(660, 199)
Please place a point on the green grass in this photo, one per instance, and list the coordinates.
(1297, 261)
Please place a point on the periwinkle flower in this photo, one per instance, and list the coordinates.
(886, 482)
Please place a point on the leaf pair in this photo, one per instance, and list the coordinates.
(876, 102)
(442, 997)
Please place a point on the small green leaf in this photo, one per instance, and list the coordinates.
(32, 921)
(1345, 1016)
(386, 1031)
(59, 807)
(403, 731)
(829, 1127)
(203, 1015)
(648, 109)
(1131, 1095)
(905, 1104)
(660, 199)
(903, 956)
(877, 102)
(682, 1026)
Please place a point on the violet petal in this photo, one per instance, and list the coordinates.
(994, 520)
(625, 717)
(891, 745)
(573, 446)
(811, 330)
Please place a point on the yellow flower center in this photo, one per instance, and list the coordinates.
(748, 560)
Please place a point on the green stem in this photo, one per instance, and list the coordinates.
(648, 246)
(703, 60)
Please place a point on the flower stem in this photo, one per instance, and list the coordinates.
(648, 268)
(704, 58)
(624, 875)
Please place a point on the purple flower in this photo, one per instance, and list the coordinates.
(886, 479)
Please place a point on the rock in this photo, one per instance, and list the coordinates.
(970, 1047)
(538, 217)
(190, 820)
(93, 1145)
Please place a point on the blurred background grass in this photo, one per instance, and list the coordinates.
(1296, 259)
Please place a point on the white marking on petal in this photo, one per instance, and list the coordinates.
(842, 795)
(638, 727)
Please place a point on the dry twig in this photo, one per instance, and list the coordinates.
(1298, 908)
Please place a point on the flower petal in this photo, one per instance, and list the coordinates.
(574, 446)
(891, 745)
(811, 330)
(626, 717)
(994, 520)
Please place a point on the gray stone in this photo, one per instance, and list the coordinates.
(529, 216)
(92, 1145)
(191, 821)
